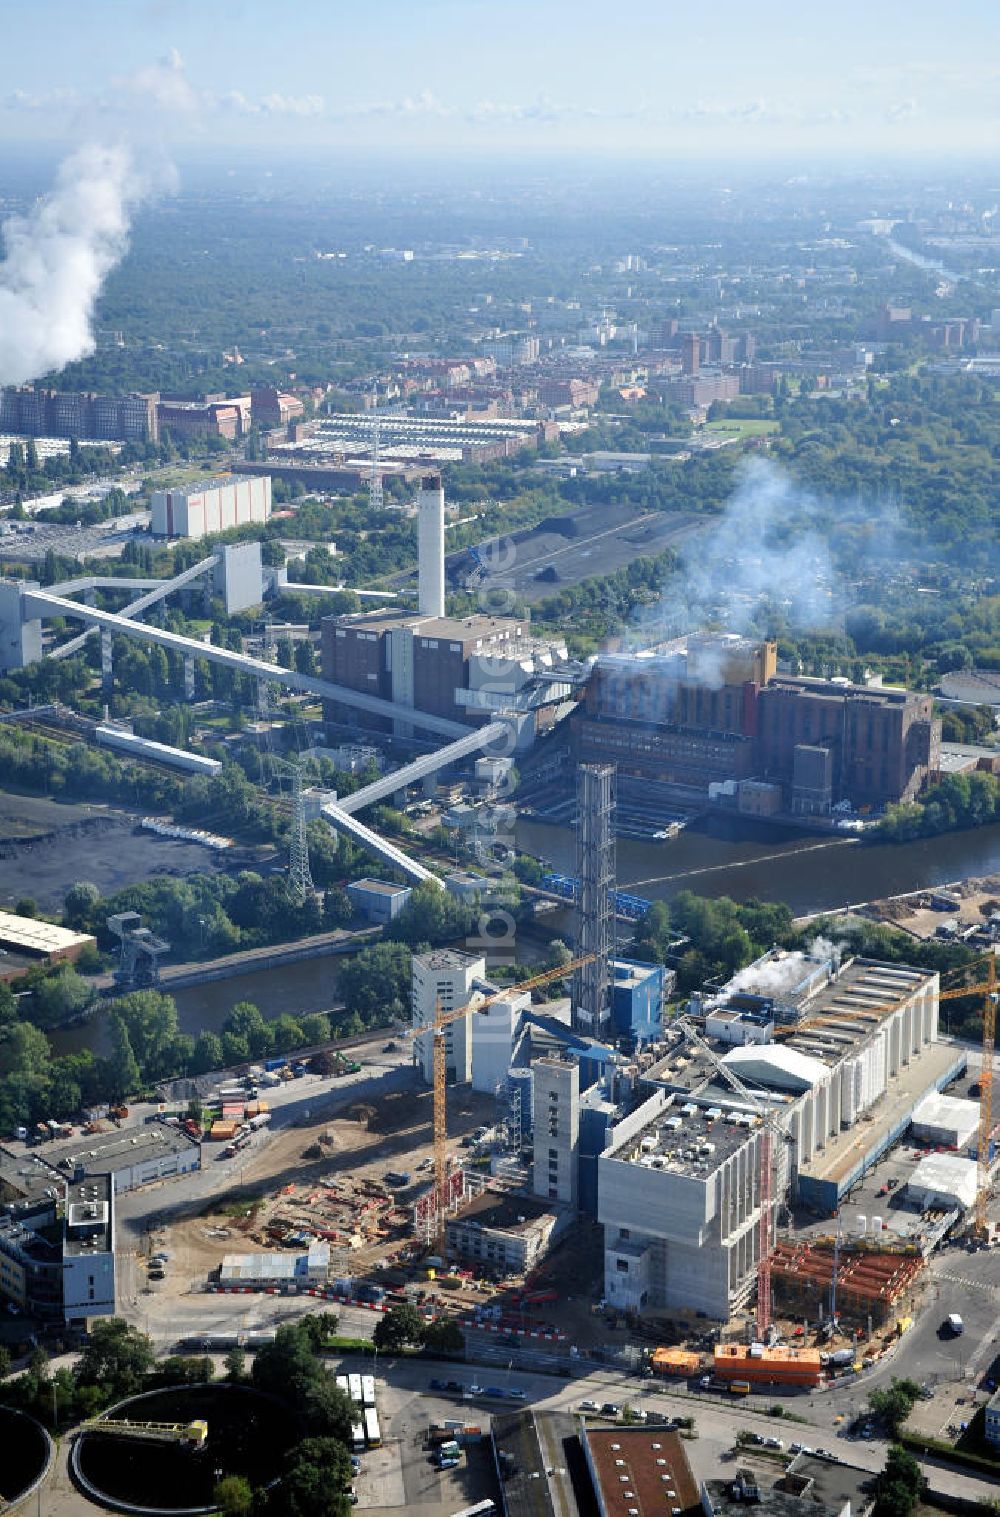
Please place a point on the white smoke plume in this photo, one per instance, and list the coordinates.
(58, 256)
(781, 975)
(769, 548)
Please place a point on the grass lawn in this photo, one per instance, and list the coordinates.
(744, 427)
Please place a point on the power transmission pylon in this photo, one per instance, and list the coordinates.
(299, 877)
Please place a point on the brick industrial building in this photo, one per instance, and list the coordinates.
(711, 710)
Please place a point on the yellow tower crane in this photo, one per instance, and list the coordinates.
(441, 1021)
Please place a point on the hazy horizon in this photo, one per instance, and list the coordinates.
(462, 77)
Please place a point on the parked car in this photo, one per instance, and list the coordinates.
(609, 1409)
(589, 1406)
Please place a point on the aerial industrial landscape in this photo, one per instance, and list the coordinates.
(499, 765)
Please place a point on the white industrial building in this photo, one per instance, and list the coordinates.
(679, 1184)
(430, 546)
(494, 1030)
(945, 1121)
(447, 977)
(277, 1270)
(943, 1182)
(216, 505)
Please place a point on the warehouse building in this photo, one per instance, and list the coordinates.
(280, 1271)
(26, 941)
(945, 1182)
(133, 1157)
(679, 1184)
(945, 1121)
(214, 505)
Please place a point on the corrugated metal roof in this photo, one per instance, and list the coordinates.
(38, 937)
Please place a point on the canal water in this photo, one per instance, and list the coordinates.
(812, 873)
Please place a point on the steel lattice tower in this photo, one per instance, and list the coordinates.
(299, 877)
(595, 870)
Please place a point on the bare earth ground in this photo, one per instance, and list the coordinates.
(980, 897)
(45, 846)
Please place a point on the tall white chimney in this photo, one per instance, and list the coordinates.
(430, 546)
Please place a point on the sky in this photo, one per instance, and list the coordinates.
(743, 79)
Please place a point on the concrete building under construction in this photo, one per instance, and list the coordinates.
(852, 1052)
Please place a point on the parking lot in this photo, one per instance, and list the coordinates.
(403, 1473)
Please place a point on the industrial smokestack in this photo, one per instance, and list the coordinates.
(430, 544)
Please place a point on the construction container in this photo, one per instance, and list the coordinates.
(223, 1132)
(768, 1366)
(675, 1361)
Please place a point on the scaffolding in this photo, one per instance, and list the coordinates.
(869, 1282)
(508, 1113)
(595, 868)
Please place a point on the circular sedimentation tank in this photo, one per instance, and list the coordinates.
(248, 1434)
(27, 1455)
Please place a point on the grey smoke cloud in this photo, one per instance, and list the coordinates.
(766, 546)
(57, 258)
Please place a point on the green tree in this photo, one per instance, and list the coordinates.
(150, 1018)
(900, 1486)
(233, 1496)
(315, 1028)
(376, 983)
(325, 1410)
(431, 915)
(124, 1072)
(79, 904)
(444, 1337)
(235, 1365)
(317, 1476)
(894, 1405)
(287, 1367)
(60, 996)
(398, 1327)
(246, 1024)
(117, 1357)
(207, 1053)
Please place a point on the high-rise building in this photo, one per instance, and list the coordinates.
(690, 353)
(556, 1129)
(595, 868)
(444, 977)
(65, 413)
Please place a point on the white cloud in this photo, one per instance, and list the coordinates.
(901, 110)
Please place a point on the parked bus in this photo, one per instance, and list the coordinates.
(354, 1381)
(357, 1437)
(373, 1432)
(343, 1385)
(368, 1390)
